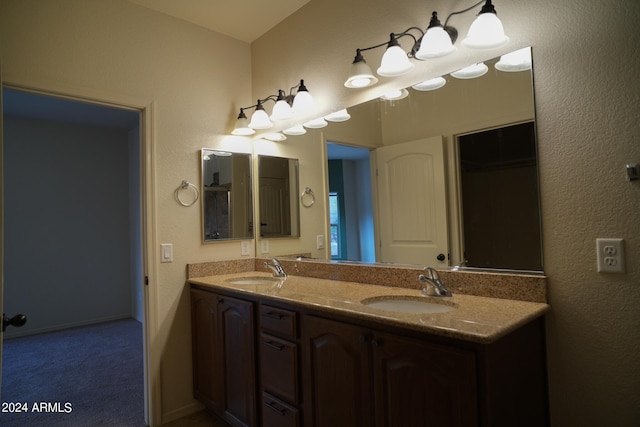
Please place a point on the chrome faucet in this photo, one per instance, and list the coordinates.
(276, 267)
(432, 284)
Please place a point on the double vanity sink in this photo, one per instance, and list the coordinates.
(472, 318)
(398, 303)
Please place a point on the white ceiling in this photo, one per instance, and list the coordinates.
(244, 20)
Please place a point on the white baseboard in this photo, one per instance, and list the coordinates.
(16, 332)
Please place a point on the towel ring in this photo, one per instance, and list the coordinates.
(307, 198)
(186, 185)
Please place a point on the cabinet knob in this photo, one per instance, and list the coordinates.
(220, 300)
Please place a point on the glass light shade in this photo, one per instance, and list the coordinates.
(435, 44)
(486, 32)
(281, 111)
(471, 72)
(295, 130)
(316, 123)
(395, 62)
(432, 84)
(361, 76)
(242, 128)
(338, 116)
(275, 137)
(519, 60)
(302, 103)
(395, 95)
(260, 120)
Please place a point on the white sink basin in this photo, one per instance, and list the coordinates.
(259, 280)
(407, 304)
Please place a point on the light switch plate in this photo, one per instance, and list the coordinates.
(320, 241)
(245, 248)
(264, 246)
(166, 252)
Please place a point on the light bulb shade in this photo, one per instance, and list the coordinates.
(316, 123)
(281, 111)
(519, 60)
(395, 62)
(395, 95)
(432, 84)
(338, 116)
(275, 137)
(302, 103)
(295, 130)
(435, 43)
(242, 126)
(361, 75)
(260, 119)
(486, 32)
(471, 72)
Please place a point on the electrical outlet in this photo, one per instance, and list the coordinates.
(245, 248)
(610, 255)
(264, 246)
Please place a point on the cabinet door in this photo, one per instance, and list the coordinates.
(203, 326)
(236, 337)
(337, 365)
(422, 384)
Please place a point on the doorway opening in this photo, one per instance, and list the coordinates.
(351, 203)
(73, 205)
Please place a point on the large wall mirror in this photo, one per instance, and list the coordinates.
(227, 208)
(445, 177)
(279, 209)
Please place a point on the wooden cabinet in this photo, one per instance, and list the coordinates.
(417, 383)
(279, 371)
(359, 377)
(223, 356)
(307, 369)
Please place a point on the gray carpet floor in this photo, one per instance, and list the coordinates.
(85, 376)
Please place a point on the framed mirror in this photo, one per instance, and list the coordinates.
(279, 209)
(425, 132)
(227, 196)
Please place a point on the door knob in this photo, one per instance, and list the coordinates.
(17, 321)
(440, 257)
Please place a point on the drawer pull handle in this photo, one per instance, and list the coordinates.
(274, 345)
(272, 406)
(273, 315)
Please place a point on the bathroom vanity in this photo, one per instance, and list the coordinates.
(308, 351)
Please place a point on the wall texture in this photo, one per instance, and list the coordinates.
(587, 103)
(67, 260)
(194, 80)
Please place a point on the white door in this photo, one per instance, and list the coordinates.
(412, 203)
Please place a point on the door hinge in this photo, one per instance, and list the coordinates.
(146, 280)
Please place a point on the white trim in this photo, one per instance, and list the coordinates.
(153, 409)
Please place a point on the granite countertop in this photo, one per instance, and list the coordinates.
(476, 319)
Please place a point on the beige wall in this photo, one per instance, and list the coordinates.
(587, 108)
(193, 81)
(586, 72)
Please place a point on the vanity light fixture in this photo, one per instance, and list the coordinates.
(519, 60)
(295, 130)
(316, 123)
(438, 40)
(431, 84)
(471, 72)
(259, 118)
(395, 95)
(285, 107)
(275, 137)
(242, 125)
(338, 116)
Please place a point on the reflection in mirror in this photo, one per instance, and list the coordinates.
(278, 197)
(431, 124)
(227, 209)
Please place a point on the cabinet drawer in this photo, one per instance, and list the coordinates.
(276, 413)
(278, 321)
(279, 367)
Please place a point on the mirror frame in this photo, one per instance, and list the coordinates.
(250, 198)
